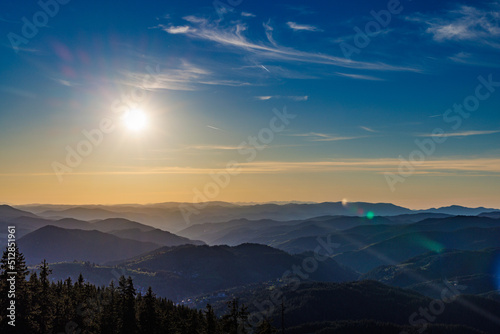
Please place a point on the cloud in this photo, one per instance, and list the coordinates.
(298, 98)
(214, 128)
(460, 134)
(293, 98)
(276, 71)
(319, 137)
(465, 23)
(464, 167)
(465, 58)
(195, 19)
(461, 57)
(368, 129)
(213, 147)
(359, 76)
(263, 98)
(246, 14)
(302, 27)
(177, 30)
(184, 77)
(233, 37)
(269, 33)
(444, 167)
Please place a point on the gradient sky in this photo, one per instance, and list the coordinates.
(208, 78)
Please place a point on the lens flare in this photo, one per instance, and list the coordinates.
(429, 244)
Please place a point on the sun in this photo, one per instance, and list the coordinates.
(135, 120)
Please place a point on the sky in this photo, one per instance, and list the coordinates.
(250, 101)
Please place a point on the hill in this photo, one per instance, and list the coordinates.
(156, 236)
(312, 305)
(200, 269)
(7, 213)
(478, 271)
(402, 247)
(56, 244)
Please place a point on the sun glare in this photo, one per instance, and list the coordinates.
(135, 120)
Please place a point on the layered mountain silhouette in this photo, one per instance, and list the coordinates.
(323, 307)
(477, 271)
(57, 244)
(179, 272)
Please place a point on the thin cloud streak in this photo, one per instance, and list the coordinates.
(302, 27)
(293, 98)
(185, 77)
(446, 167)
(214, 128)
(246, 14)
(368, 129)
(319, 137)
(460, 134)
(233, 37)
(465, 23)
(359, 76)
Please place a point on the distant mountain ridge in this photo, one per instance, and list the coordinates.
(183, 271)
(8, 213)
(170, 216)
(57, 244)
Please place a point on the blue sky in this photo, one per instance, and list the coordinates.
(217, 75)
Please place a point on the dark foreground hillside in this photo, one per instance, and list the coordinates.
(366, 305)
(66, 306)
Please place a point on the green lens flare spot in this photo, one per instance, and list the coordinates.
(370, 215)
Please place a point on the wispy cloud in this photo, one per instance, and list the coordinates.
(184, 77)
(214, 128)
(318, 137)
(465, 23)
(303, 27)
(359, 76)
(177, 30)
(233, 37)
(263, 98)
(213, 147)
(246, 14)
(444, 167)
(368, 129)
(466, 58)
(460, 134)
(463, 167)
(293, 98)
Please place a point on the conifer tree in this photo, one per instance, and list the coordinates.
(211, 320)
(128, 311)
(265, 327)
(46, 298)
(148, 315)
